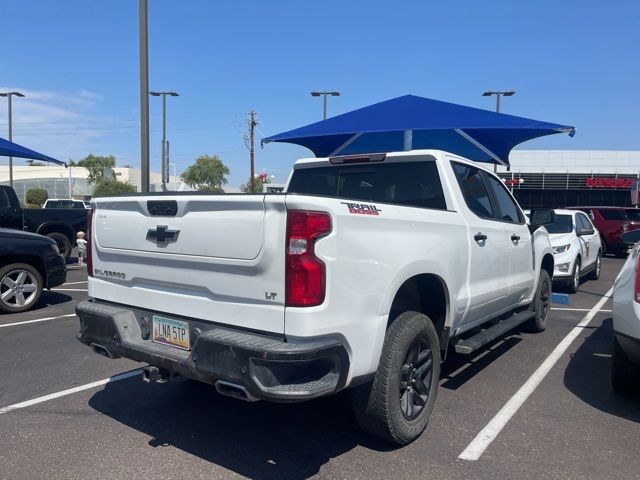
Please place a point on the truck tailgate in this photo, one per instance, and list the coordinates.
(210, 257)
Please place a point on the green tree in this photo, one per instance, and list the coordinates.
(105, 188)
(36, 196)
(208, 173)
(96, 164)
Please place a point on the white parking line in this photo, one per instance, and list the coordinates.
(488, 434)
(579, 309)
(68, 289)
(63, 393)
(74, 283)
(36, 320)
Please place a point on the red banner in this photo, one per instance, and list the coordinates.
(609, 182)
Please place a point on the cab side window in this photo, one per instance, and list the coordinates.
(473, 189)
(509, 211)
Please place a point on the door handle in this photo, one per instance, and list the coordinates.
(479, 237)
(515, 238)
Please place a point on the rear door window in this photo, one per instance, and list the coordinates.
(473, 189)
(415, 184)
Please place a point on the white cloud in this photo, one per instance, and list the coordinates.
(60, 124)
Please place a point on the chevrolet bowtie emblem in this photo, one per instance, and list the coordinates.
(162, 235)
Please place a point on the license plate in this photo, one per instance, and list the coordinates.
(171, 332)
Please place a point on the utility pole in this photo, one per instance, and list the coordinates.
(144, 97)
(252, 126)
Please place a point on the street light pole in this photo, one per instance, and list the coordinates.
(9, 95)
(165, 145)
(498, 94)
(325, 94)
(144, 97)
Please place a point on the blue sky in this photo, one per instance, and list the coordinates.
(575, 62)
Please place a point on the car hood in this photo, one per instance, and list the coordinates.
(20, 235)
(558, 239)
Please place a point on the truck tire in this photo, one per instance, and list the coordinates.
(541, 304)
(397, 404)
(623, 372)
(20, 287)
(64, 244)
(574, 281)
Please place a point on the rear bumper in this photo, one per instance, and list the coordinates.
(266, 367)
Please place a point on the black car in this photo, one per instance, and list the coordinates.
(29, 263)
(60, 224)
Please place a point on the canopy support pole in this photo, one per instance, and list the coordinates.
(477, 144)
(345, 144)
(408, 140)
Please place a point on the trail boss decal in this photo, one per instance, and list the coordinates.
(362, 208)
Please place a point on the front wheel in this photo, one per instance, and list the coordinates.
(397, 404)
(20, 287)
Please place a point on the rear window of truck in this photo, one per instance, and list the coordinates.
(414, 184)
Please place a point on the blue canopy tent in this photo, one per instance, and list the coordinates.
(10, 149)
(411, 123)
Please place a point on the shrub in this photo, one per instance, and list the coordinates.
(36, 196)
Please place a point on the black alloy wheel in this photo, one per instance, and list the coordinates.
(415, 381)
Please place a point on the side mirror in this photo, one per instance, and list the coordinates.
(631, 237)
(585, 231)
(543, 216)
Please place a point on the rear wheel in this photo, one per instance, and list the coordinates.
(595, 273)
(623, 372)
(64, 244)
(541, 304)
(574, 281)
(397, 404)
(20, 287)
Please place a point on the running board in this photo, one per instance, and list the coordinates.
(471, 344)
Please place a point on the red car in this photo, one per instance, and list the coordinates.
(612, 222)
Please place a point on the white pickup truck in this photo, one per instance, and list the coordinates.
(363, 274)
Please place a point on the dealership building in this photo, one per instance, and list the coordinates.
(565, 178)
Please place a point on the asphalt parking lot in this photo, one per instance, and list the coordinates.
(570, 425)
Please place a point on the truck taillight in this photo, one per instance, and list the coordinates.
(305, 274)
(89, 242)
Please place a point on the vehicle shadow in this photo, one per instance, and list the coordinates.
(49, 298)
(459, 369)
(588, 376)
(257, 440)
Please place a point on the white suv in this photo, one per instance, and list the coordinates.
(577, 248)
